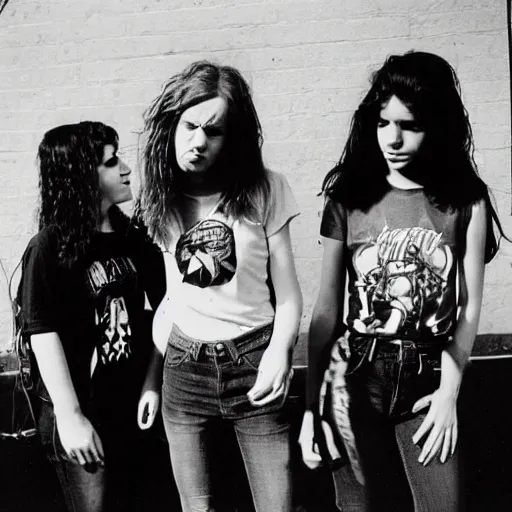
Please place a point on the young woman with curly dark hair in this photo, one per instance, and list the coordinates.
(82, 294)
(223, 221)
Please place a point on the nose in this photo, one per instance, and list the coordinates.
(394, 136)
(199, 139)
(125, 170)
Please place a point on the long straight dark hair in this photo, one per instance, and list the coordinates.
(239, 165)
(428, 85)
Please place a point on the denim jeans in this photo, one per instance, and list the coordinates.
(384, 379)
(114, 487)
(206, 383)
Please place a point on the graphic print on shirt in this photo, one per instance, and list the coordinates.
(206, 254)
(401, 283)
(106, 280)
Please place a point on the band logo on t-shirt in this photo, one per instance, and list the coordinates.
(106, 281)
(402, 278)
(206, 254)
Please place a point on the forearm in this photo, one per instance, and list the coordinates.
(286, 323)
(153, 380)
(54, 371)
(456, 355)
(322, 334)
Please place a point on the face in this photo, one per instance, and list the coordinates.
(114, 179)
(399, 134)
(200, 135)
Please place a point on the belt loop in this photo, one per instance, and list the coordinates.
(233, 352)
(195, 348)
(372, 350)
(420, 369)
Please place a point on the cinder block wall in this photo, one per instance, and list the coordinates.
(308, 62)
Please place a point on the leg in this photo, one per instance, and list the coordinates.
(188, 437)
(386, 484)
(83, 487)
(435, 487)
(265, 446)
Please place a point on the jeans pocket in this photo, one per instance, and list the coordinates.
(174, 356)
(253, 357)
(358, 353)
(412, 381)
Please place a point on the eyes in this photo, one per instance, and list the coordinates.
(210, 130)
(406, 125)
(111, 162)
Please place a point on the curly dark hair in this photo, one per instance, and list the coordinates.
(68, 157)
(239, 165)
(428, 86)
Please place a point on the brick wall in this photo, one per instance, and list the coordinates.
(307, 60)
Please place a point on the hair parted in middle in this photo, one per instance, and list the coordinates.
(239, 165)
(429, 88)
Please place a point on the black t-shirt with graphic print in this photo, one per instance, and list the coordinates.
(402, 259)
(97, 309)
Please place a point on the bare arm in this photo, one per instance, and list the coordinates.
(325, 321)
(77, 435)
(274, 369)
(441, 419)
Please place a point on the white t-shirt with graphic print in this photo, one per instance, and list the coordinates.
(217, 270)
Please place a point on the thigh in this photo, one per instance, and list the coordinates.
(264, 442)
(84, 487)
(435, 487)
(386, 484)
(189, 438)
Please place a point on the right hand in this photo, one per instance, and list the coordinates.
(310, 454)
(148, 407)
(79, 439)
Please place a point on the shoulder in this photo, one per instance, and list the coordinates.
(45, 241)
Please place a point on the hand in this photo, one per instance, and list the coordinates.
(148, 407)
(310, 453)
(79, 439)
(274, 377)
(441, 422)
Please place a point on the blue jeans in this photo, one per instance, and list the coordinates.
(205, 384)
(384, 380)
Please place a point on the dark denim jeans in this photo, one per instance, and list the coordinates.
(384, 379)
(206, 383)
(114, 487)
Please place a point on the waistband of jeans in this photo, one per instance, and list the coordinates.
(234, 347)
(391, 345)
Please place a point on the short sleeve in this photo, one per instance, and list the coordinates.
(37, 292)
(334, 223)
(283, 207)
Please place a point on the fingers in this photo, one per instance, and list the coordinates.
(267, 390)
(422, 403)
(455, 437)
(98, 446)
(425, 426)
(447, 444)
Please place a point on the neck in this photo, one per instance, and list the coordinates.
(398, 180)
(200, 184)
(104, 224)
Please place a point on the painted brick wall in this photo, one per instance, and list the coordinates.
(307, 60)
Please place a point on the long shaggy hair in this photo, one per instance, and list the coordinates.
(239, 165)
(68, 157)
(430, 89)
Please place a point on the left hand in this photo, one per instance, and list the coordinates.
(440, 424)
(274, 377)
